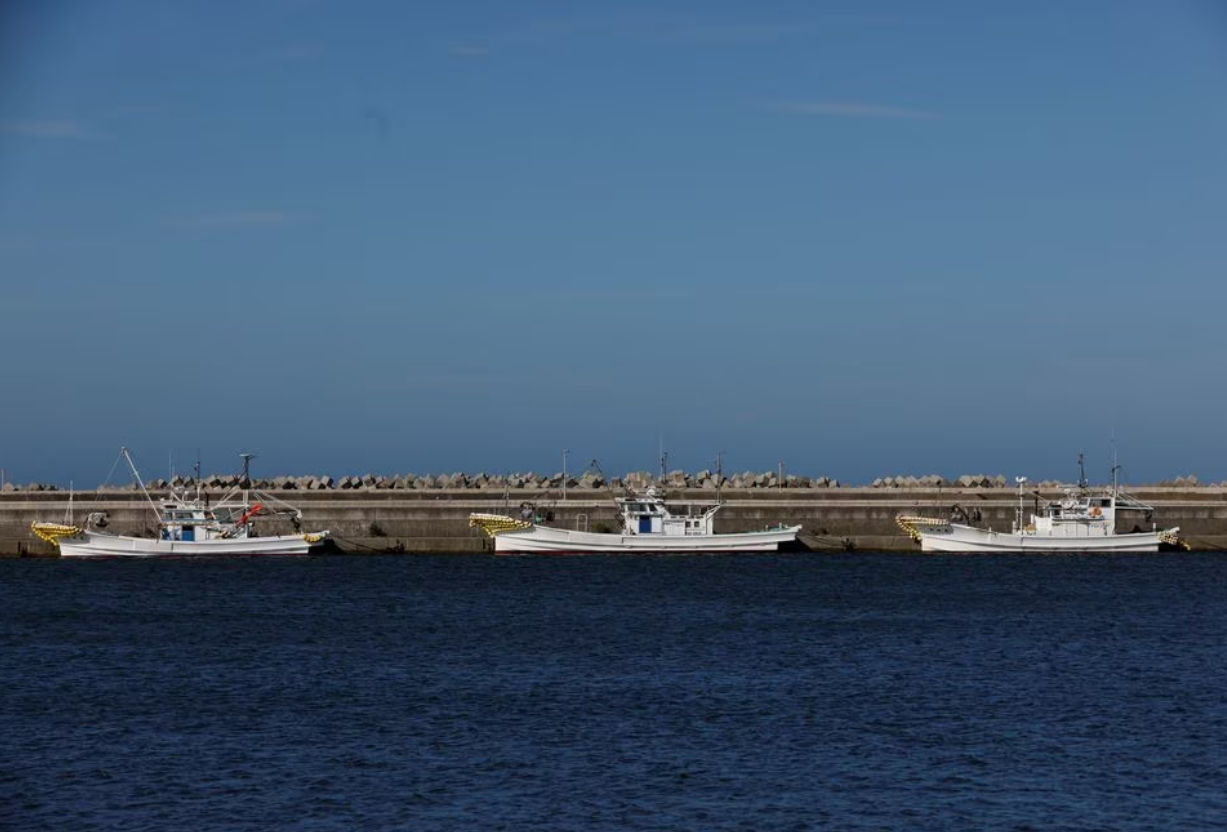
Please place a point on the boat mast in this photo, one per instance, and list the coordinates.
(245, 482)
(719, 475)
(1082, 482)
(1018, 518)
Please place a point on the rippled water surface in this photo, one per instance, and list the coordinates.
(751, 693)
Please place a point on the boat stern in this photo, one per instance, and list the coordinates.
(1170, 540)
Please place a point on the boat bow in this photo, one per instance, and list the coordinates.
(493, 524)
(52, 532)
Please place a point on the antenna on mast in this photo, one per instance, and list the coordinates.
(596, 465)
(247, 458)
(664, 458)
(1115, 467)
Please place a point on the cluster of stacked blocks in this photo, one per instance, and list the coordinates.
(936, 481)
(639, 480)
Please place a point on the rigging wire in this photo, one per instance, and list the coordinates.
(111, 473)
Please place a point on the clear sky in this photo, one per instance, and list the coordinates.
(861, 238)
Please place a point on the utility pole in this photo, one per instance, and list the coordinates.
(564, 472)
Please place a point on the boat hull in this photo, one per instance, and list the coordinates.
(100, 545)
(957, 538)
(546, 540)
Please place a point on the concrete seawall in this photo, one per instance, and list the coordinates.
(381, 520)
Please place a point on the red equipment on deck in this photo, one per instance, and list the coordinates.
(250, 513)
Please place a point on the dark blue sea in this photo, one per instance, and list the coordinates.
(845, 692)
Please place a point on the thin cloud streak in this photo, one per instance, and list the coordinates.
(851, 109)
(700, 30)
(655, 27)
(379, 119)
(38, 129)
(241, 219)
(467, 50)
(273, 56)
(743, 33)
(136, 109)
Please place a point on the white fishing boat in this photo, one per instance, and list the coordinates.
(188, 527)
(648, 526)
(1081, 521)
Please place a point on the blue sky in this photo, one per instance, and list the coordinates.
(859, 238)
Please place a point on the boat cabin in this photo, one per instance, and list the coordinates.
(1076, 516)
(1081, 514)
(183, 520)
(647, 514)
